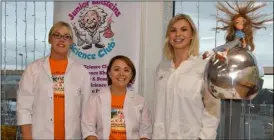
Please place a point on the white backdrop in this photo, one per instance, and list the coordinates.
(125, 26)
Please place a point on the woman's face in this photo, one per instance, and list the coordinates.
(60, 41)
(120, 73)
(239, 23)
(180, 34)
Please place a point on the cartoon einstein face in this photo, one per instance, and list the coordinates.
(91, 21)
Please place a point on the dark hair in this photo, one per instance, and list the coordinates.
(128, 62)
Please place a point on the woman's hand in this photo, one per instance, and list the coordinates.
(26, 132)
(91, 138)
(219, 55)
(205, 55)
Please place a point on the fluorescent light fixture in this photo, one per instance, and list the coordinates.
(207, 38)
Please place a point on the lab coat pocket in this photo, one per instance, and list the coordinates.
(78, 105)
(138, 109)
(75, 91)
(75, 96)
(189, 85)
(78, 95)
(138, 114)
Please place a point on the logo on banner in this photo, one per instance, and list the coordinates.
(91, 22)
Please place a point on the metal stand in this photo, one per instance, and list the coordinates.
(232, 115)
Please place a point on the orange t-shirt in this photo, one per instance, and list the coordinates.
(118, 126)
(58, 68)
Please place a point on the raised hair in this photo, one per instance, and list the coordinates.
(247, 10)
(101, 13)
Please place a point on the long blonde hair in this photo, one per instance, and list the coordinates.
(194, 47)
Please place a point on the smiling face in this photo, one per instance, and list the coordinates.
(91, 21)
(120, 73)
(180, 34)
(60, 40)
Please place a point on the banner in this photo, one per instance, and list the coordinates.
(102, 30)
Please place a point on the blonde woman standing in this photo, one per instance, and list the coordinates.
(52, 91)
(183, 110)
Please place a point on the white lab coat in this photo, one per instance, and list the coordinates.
(182, 110)
(96, 119)
(35, 98)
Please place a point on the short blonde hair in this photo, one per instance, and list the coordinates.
(194, 47)
(59, 25)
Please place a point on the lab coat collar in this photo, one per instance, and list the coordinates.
(105, 95)
(46, 65)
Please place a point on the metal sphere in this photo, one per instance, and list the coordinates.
(237, 77)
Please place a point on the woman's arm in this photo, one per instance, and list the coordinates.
(145, 131)
(211, 116)
(88, 121)
(25, 98)
(26, 132)
(85, 89)
(158, 108)
(91, 138)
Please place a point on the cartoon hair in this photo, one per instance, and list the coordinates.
(100, 13)
(245, 10)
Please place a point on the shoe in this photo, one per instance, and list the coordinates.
(87, 46)
(99, 45)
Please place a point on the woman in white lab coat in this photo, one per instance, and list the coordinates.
(52, 90)
(116, 112)
(182, 109)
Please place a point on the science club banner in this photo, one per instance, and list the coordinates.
(102, 30)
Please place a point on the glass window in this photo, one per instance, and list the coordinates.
(25, 26)
(25, 41)
(257, 115)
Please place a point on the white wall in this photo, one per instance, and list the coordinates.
(155, 16)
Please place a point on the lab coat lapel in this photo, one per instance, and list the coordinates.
(105, 97)
(127, 103)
